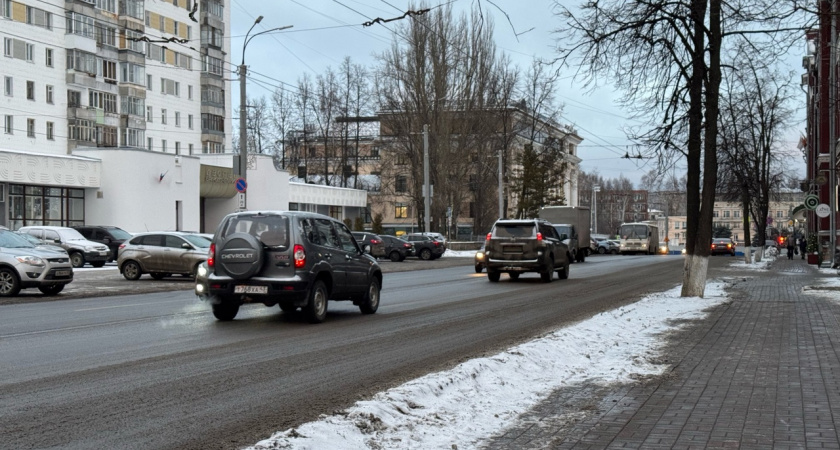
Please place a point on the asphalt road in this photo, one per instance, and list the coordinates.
(155, 370)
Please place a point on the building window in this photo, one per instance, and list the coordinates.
(109, 71)
(163, 116)
(212, 123)
(149, 82)
(74, 99)
(9, 123)
(177, 148)
(170, 87)
(50, 99)
(190, 121)
(190, 147)
(133, 137)
(30, 128)
(150, 144)
(149, 114)
(133, 42)
(106, 35)
(132, 73)
(177, 119)
(133, 105)
(30, 90)
(163, 145)
(8, 47)
(6, 8)
(81, 61)
(38, 17)
(51, 131)
(49, 57)
(8, 86)
(401, 184)
(16, 48)
(80, 24)
(40, 205)
(103, 101)
(401, 210)
(190, 92)
(81, 130)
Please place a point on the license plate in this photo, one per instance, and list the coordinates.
(62, 273)
(103, 253)
(250, 290)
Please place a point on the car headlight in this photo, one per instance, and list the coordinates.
(479, 255)
(202, 270)
(90, 248)
(31, 260)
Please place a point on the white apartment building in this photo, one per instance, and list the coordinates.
(118, 112)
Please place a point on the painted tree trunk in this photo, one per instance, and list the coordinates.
(694, 276)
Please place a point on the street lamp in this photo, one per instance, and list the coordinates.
(240, 164)
(595, 189)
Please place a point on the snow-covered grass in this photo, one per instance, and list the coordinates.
(459, 408)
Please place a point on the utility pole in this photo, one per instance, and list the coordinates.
(832, 132)
(427, 191)
(501, 188)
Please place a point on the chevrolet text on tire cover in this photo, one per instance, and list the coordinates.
(296, 260)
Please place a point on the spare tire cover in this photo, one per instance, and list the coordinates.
(240, 255)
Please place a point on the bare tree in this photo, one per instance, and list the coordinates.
(281, 121)
(667, 57)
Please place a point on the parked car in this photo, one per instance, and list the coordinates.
(479, 259)
(81, 250)
(397, 249)
(723, 246)
(111, 236)
(436, 236)
(370, 243)
(425, 247)
(161, 254)
(314, 259)
(40, 243)
(604, 246)
(23, 266)
(527, 245)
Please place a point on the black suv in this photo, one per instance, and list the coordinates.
(289, 258)
(111, 236)
(528, 245)
(425, 247)
(397, 249)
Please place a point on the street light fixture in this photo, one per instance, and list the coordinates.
(240, 163)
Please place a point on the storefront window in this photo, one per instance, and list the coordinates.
(37, 205)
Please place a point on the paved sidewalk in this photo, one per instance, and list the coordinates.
(761, 371)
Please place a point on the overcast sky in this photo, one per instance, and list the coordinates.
(326, 31)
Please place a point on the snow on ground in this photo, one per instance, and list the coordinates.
(479, 398)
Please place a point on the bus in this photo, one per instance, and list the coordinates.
(638, 237)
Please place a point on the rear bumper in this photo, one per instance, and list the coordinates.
(223, 290)
(527, 265)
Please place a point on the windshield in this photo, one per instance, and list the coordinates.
(514, 230)
(119, 233)
(69, 234)
(634, 231)
(9, 239)
(563, 229)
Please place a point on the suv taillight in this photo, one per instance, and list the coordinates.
(375, 241)
(122, 246)
(211, 256)
(437, 244)
(488, 235)
(539, 236)
(300, 256)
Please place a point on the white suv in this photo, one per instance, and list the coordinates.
(80, 249)
(22, 266)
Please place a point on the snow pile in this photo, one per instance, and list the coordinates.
(476, 399)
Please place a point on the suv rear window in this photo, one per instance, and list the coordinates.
(514, 230)
(256, 225)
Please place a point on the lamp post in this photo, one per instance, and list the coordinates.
(501, 188)
(595, 190)
(240, 164)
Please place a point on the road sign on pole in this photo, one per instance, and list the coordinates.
(811, 201)
(241, 185)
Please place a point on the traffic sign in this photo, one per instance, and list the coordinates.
(811, 201)
(241, 185)
(823, 210)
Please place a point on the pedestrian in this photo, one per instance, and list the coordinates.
(791, 247)
(802, 246)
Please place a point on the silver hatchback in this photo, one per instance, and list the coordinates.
(22, 266)
(162, 254)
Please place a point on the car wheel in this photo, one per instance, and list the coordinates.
(131, 270)
(395, 256)
(316, 308)
(564, 273)
(548, 274)
(77, 260)
(51, 290)
(493, 276)
(370, 303)
(9, 283)
(425, 254)
(159, 276)
(514, 276)
(287, 307)
(478, 268)
(613, 252)
(225, 311)
(602, 250)
(98, 264)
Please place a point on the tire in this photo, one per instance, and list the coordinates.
(613, 252)
(478, 268)
(602, 250)
(425, 254)
(493, 276)
(288, 307)
(51, 290)
(159, 275)
(316, 308)
(9, 283)
(98, 264)
(564, 273)
(131, 270)
(513, 276)
(225, 311)
(395, 256)
(77, 260)
(548, 274)
(370, 303)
